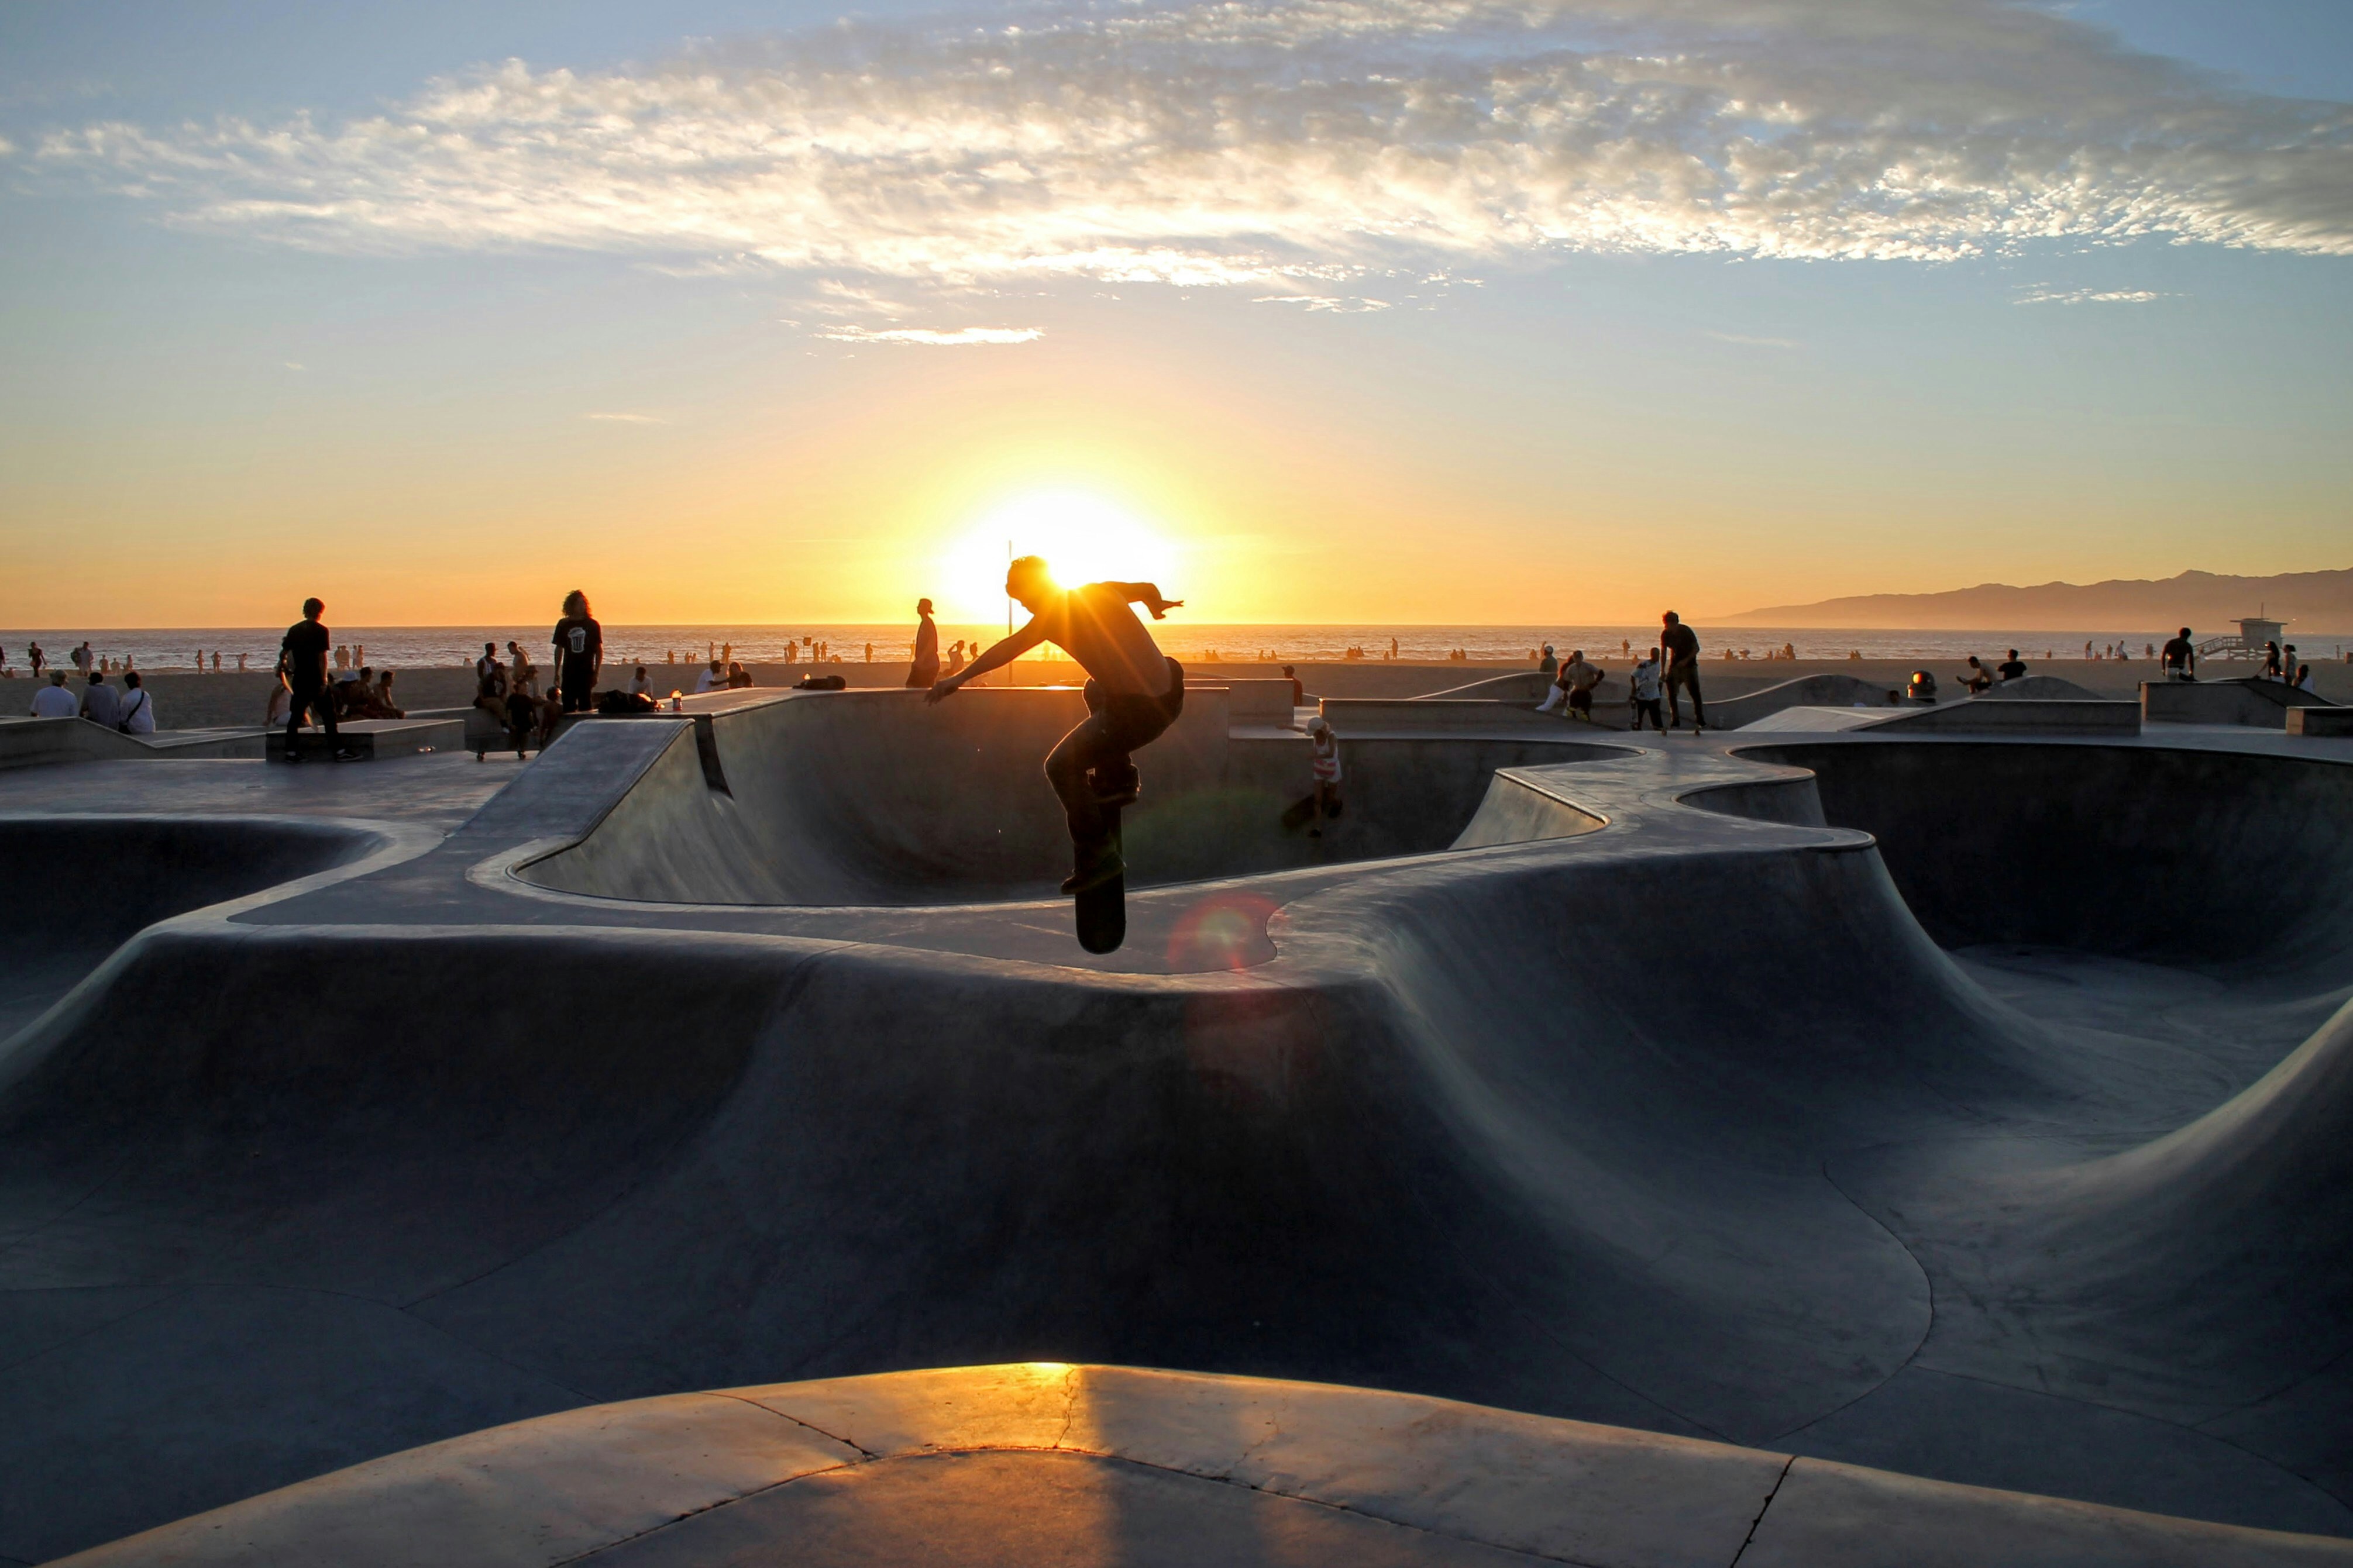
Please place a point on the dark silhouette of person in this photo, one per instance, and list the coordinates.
(924, 667)
(302, 654)
(2011, 668)
(1680, 645)
(579, 653)
(1134, 692)
(2180, 659)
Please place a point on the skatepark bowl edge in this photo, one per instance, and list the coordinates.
(1848, 1146)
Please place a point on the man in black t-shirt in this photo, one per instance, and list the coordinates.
(302, 654)
(2180, 659)
(579, 653)
(1680, 645)
(2011, 668)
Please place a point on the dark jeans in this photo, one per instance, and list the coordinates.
(1114, 727)
(312, 699)
(573, 683)
(1648, 708)
(1685, 675)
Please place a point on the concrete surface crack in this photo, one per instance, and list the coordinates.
(1749, 1540)
(854, 1447)
(1070, 1406)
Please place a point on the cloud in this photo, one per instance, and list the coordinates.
(1293, 147)
(1752, 342)
(952, 338)
(2089, 297)
(1345, 305)
(626, 418)
(7, 147)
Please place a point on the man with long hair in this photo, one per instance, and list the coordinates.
(579, 653)
(1134, 693)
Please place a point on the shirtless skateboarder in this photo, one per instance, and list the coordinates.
(1134, 692)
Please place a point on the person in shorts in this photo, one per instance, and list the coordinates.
(579, 654)
(2180, 659)
(303, 654)
(1134, 692)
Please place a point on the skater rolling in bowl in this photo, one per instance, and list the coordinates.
(1134, 692)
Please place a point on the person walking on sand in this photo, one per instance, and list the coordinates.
(1681, 646)
(33, 655)
(579, 654)
(303, 651)
(1134, 693)
(924, 667)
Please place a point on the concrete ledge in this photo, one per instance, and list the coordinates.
(35, 742)
(2320, 721)
(374, 738)
(2261, 704)
(1391, 715)
(2020, 715)
(962, 1465)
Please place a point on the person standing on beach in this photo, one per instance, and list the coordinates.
(1134, 693)
(1681, 646)
(303, 652)
(36, 657)
(579, 653)
(924, 667)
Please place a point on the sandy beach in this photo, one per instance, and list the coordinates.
(186, 700)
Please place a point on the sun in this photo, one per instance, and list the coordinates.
(1083, 537)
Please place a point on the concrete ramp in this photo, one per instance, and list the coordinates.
(878, 798)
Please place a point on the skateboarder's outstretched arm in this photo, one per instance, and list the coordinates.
(1148, 595)
(1004, 653)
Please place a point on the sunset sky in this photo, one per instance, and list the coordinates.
(1434, 311)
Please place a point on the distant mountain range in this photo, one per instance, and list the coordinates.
(2311, 601)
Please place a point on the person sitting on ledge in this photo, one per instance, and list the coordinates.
(137, 715)
(712, 679)
(1980, 678)
(1134, 693)
(2011, 668)
(737, 675)
(53, 700)
(99, 703)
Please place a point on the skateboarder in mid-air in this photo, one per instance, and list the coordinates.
(1134, 692)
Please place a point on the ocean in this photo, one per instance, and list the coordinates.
(417, 648)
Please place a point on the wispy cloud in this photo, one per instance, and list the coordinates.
(1293, 147)
(951, 338)
(1343, 304)
(1746, 341)
(2089, 297)
(626, 418)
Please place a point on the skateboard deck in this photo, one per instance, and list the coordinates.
(1103, 909)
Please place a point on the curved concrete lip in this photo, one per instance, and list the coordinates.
(1106, 1465)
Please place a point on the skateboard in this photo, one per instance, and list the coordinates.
(1103, 909)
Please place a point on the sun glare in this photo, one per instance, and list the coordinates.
(1083, 537)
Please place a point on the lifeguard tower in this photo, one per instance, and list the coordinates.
(2254, 631)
